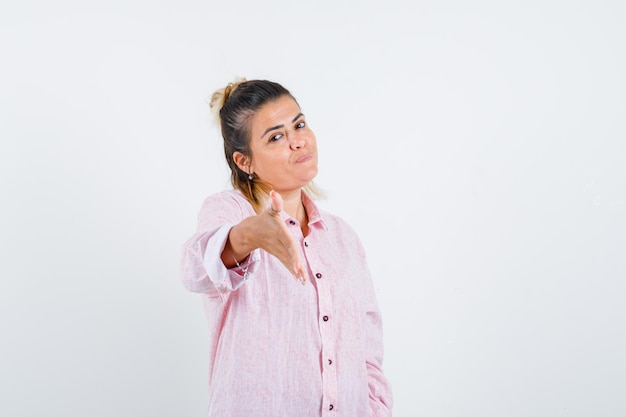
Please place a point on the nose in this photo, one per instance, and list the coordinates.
(296, 141)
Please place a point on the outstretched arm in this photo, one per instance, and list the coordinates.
(267, 231)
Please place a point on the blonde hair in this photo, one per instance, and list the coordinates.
(233, 106)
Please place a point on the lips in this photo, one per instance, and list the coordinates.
(304, 158)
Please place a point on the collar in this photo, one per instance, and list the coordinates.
(312, 211)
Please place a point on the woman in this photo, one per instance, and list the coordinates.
(278, 348)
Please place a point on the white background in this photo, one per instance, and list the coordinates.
(477, 147)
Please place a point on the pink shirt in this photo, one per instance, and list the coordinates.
(279, 348)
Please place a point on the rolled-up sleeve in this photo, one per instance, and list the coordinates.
(201, 267)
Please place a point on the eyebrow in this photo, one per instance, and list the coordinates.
(279, 126)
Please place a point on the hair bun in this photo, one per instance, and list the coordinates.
(219, 97)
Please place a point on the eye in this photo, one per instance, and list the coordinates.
(300, 125)
(276, 137)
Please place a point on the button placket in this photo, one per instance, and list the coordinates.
(326, 328)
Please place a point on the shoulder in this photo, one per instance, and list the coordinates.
(342, 240)
(341, 227)
(228, 196)
(230, 204)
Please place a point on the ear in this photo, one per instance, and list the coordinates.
(242, 161)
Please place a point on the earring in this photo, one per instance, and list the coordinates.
(250, 177)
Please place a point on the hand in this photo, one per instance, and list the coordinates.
(284, 246)
(267, 231)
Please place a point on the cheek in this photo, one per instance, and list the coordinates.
(271, 161)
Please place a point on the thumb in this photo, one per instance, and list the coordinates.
(276, 205)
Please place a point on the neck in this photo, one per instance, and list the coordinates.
(292, 204)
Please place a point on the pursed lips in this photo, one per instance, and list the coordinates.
(304, 158)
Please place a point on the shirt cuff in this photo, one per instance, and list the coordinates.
(227, 279)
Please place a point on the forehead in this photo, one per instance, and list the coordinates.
(274, 113)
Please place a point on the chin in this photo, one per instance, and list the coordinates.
(313, 173)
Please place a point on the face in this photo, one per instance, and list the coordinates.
(284, 150)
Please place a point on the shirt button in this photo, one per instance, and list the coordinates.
(306, 244)
(325, 318)
(318, 275)
(330, 407)
(330, 361)
(291, 222)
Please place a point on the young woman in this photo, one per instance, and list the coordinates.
(307, 347)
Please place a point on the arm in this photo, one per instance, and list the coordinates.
(380, 397)
(267, 231)
(200, 268)
(226, 237)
